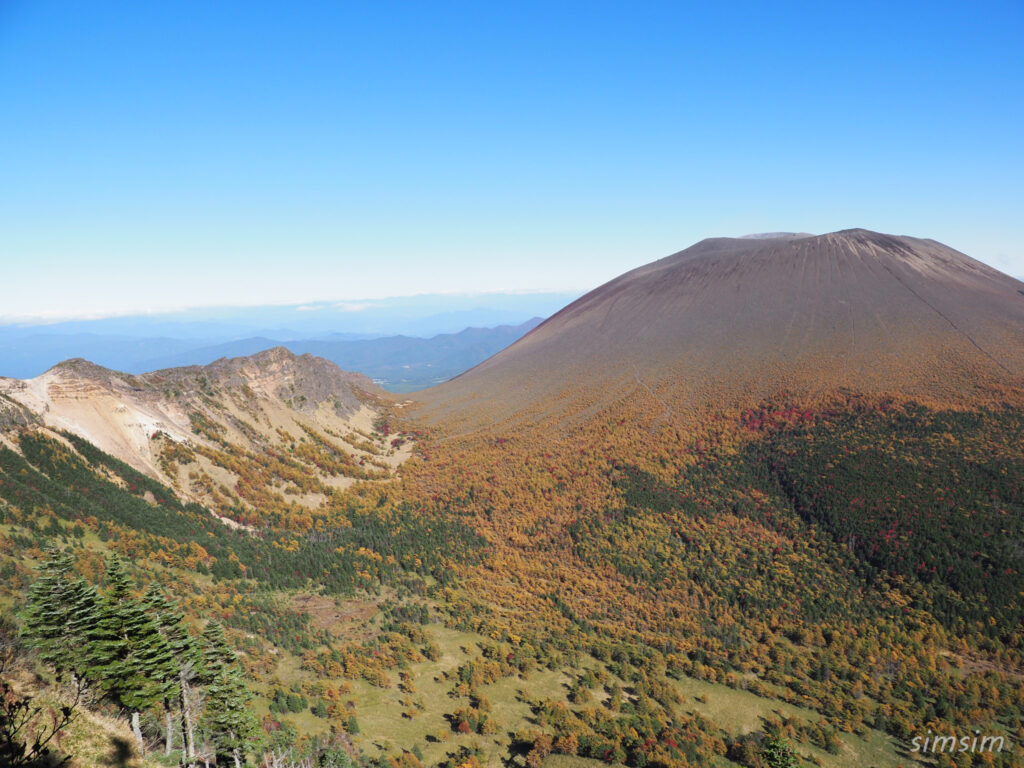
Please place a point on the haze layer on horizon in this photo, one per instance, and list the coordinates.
(418, 314)
(206, 155)
(465, 328)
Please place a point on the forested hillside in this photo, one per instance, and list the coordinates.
(776, 580)
(74, 520)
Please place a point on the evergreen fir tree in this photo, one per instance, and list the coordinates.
(216, 653)
(352, 726)
(128, 657)
(60, 613)
(186, 659)
(229, 725)
(335, 757)
(778, 754)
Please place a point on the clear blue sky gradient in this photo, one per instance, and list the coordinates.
(165, 154)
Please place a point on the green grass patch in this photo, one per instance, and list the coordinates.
(739, 712)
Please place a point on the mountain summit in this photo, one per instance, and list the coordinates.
(208, 431)
(731, 320)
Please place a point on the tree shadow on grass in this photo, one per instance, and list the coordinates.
(120, 753)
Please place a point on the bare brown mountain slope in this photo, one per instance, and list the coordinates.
(729, 321)
(298, 424)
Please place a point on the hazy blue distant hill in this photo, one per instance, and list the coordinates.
(23, 356)
(138, 344)
(404, 364)
(397, 363)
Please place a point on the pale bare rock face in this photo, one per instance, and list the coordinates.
(252, 404)
(732, 320)
(304, 382)
(114, 411)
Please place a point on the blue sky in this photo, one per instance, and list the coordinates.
(160, 155)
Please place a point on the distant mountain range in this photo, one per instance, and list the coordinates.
(403, 343)
(396, 363)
